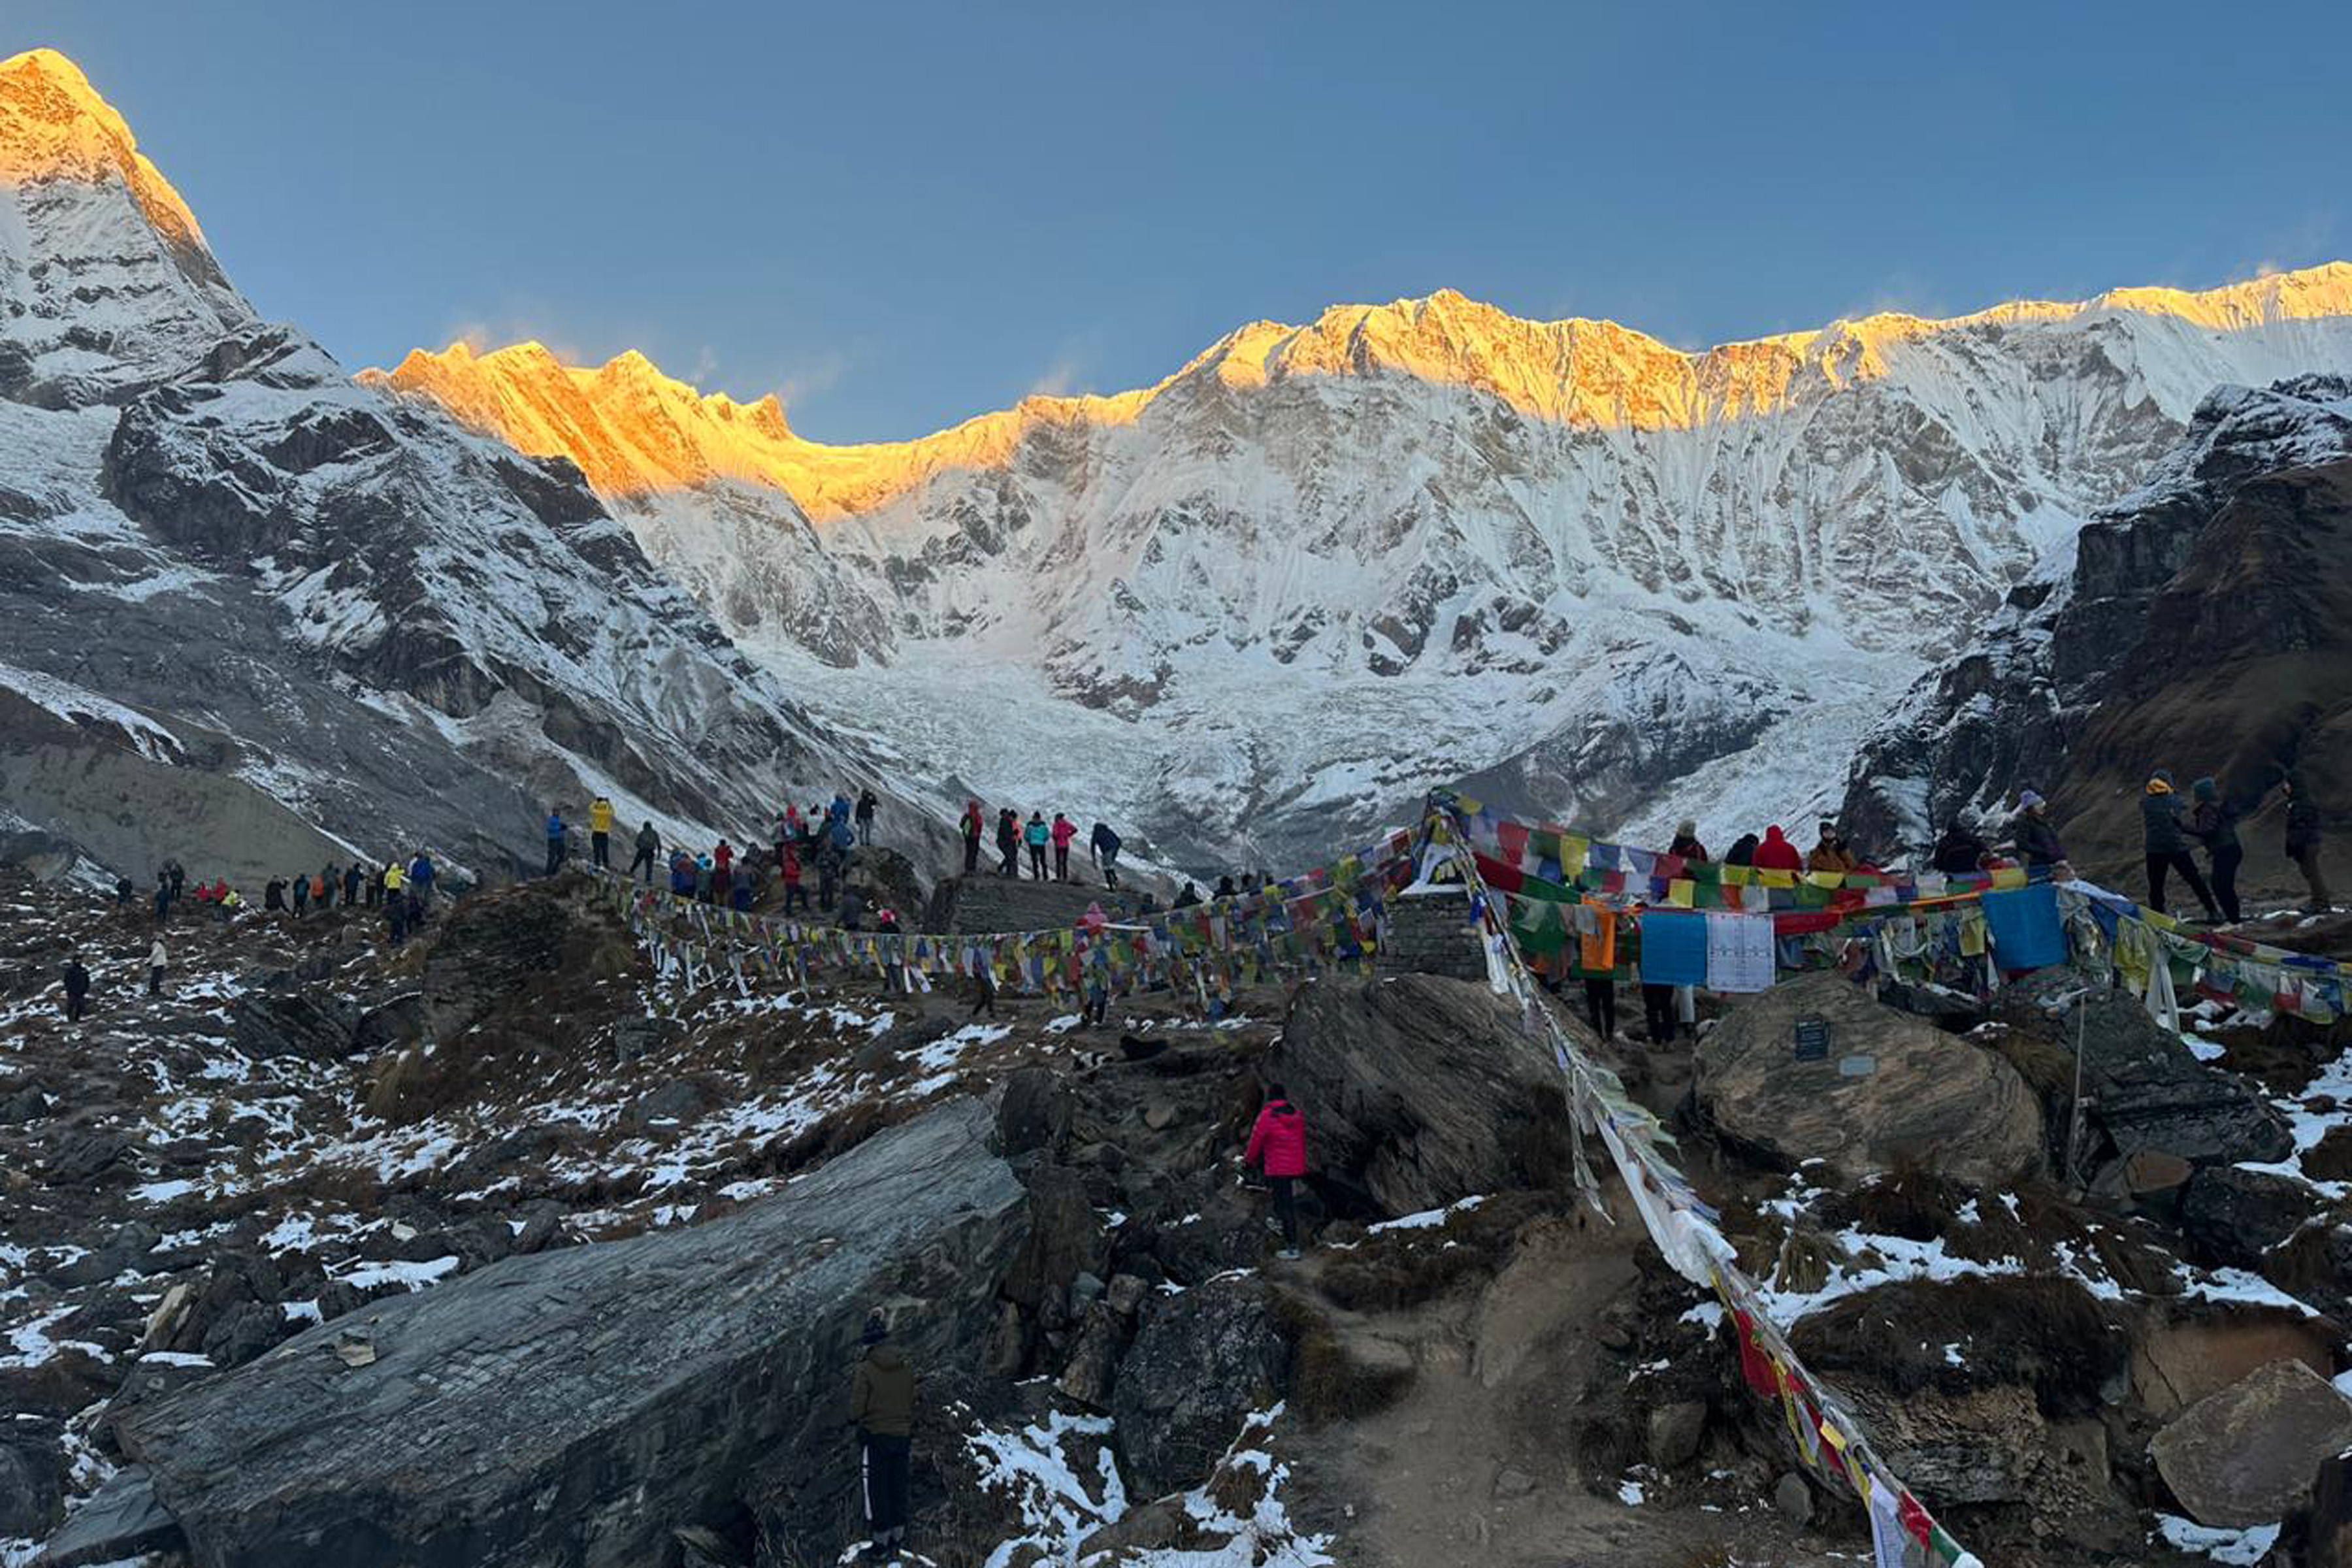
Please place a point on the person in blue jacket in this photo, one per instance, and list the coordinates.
(555, 840)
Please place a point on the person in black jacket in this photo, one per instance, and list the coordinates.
(2214, 822)
(648, 851)
(2037, 839)
(77, 989)
(2303, 841)
(2167, 845)
(1008, 842)
(1959, 853)
(1103, 844)
(1743, 850)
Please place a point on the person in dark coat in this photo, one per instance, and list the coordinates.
(1278, 1145)
(557, 839)
(1959, 852)
(882, 1409)
(648, 852)
(2303, 841)
(865, 804)
(975, 825)
(353, 879)
(1103, 844)
(301, 893)
(273, 894)
(2167, 840)
(2214, 822)
(1188, 897)
(163, 897)
(1008, 842)
(1743, 850)
(1687, 844)
(77, 989)
(2037, 838)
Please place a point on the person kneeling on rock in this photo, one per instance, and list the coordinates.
(882, 1406)
(1279, 1144)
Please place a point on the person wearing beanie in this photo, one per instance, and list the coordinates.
(882, 1408)
(1687, 844)
(1830, 854)
(2166, 842)
(2037, 838)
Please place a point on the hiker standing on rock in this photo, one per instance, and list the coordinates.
(77, 989)
(301, 893)
(163, 897)
(2303, 841)
(975, 825)
(2214, 822)
(353, 879)
(1278, 1145)
(555, 840)
(865, 804)
(1104, 845)
(600, 832)
(157, 960)
(882, 1408)
(1036, 834)
(1008, 842)
(1062, 831)
(2167, 845)
(648, 851)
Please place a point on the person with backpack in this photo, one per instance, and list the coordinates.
(2167, 841)
(600, 832)
(973, 827)
(865, 804)
(2303, 841)
(1277, 1146)
(648, 851)
(1008, 842)
(2214, 822)
(882, 1410)
(77, 989)
(1062, 831)
(1104, 844)
(556, 836)
(1036, 836)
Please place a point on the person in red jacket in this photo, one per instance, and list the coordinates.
(972, 828)
(1063, 831)
(1278, 1145)
(1777, 854)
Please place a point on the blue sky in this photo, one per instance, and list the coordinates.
(898, 216)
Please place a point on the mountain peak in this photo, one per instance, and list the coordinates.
(53, 125)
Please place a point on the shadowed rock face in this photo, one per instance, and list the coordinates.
(575, 1406)
(1420, 1091)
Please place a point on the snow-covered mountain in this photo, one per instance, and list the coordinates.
(1259, 607)
(2199, 624)
(256, 614)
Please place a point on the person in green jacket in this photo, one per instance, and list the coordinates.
(882, 1407)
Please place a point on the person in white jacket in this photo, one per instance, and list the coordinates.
(156, 962)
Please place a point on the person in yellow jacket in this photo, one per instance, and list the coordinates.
(600, 832)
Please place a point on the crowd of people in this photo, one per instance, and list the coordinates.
(1038, 838)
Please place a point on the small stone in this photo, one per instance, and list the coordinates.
(1675, 1431)
(1160, 1116)
(1514, 1483)
(1794, 1499)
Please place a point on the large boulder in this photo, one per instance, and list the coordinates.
(2244, 1455)
(1420, 1091)
(2236, 1217)
(2144, 1088)
(621, 1388)
(1202, 1363)
(1892, 1092)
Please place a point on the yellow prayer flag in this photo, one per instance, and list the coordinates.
(1681, 891)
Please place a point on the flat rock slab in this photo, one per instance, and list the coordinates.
(2244, 1455)
(1891, 1091)
(573, 1407)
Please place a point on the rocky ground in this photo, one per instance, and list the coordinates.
(503, 1192)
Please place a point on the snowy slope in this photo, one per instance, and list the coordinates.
(240, 593)
(1259, 607)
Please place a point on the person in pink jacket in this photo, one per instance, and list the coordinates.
(1064, 831)
(1278, 1145)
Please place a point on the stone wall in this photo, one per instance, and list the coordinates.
(992, 903)
(1432, 934)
